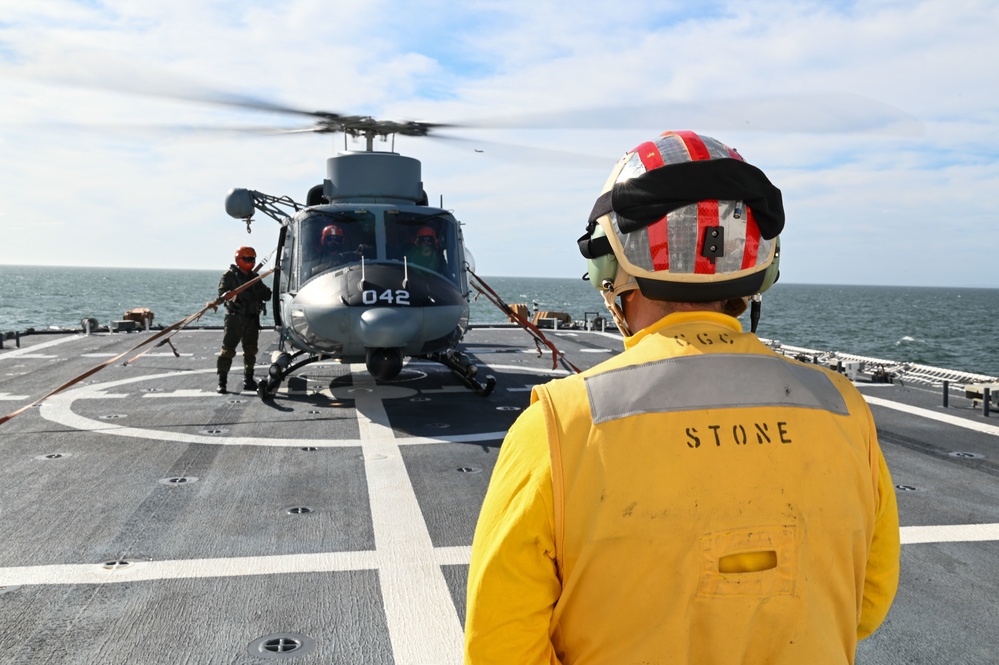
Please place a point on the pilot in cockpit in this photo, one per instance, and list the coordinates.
(331, 251)
(425, 250)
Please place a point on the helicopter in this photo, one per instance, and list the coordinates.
(366, 270)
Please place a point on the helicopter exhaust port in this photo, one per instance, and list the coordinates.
(383, 364)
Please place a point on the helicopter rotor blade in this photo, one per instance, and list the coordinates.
(812, 113)
(522, 154)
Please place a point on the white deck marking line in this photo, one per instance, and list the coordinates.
(933, 415)
(36, 356)
(29, 351)
(12, 398)
(143, 571)
(949, 533)
(422, 622)
(151, 571)
(151, 354)
(335, 562)
(186, 392)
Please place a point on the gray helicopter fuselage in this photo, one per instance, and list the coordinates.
(376, 290)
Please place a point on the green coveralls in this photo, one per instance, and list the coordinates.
(242, 321)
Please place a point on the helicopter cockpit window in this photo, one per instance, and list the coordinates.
(333, 239)
(424, 242)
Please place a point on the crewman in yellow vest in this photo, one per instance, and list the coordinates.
(698, 498)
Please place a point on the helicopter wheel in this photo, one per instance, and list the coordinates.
(266, 388)
(486, 389)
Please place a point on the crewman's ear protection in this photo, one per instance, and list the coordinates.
(603, 268)
(772, 274)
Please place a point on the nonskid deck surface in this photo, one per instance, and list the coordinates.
(147, 519)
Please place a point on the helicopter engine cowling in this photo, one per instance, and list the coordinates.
(383, 364)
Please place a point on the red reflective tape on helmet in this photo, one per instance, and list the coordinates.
(752, 246)
(649, 153)
(707, 216)
(695, 146)
(707, 211)
(659, 244)
(651, 158)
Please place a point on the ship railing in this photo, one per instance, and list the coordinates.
(865, 367)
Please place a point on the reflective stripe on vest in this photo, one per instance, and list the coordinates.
(710, 381)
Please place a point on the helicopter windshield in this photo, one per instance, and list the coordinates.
(333, 239)
(425, 242)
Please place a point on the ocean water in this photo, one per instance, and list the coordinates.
(953, 328)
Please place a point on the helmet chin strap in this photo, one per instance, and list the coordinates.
(610, 292)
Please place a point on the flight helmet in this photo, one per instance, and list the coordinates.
(246, 258)
(332, 237)
(684, 218)
(428, 233)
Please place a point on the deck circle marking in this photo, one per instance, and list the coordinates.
(58, 409)
(408, 375)
(281, 645)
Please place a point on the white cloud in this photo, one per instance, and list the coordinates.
(875, 207)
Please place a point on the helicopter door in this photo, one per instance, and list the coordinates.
(282, 270)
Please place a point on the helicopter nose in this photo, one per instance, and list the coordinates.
(382, 327)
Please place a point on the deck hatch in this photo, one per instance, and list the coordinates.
(281, 645)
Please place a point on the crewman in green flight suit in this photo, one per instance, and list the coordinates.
(242, 317)
(424, 251)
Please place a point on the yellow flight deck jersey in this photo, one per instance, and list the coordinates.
(696, 499)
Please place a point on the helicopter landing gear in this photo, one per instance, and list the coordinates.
(463, 368)
(280, 368)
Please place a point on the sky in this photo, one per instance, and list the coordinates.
(878, 120)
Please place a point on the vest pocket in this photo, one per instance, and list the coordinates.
(757, 561)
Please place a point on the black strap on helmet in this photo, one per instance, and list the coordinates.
(645, 199)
